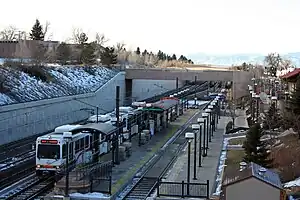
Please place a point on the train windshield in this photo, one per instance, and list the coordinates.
(48, 151)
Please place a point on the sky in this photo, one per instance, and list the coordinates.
(173, 26)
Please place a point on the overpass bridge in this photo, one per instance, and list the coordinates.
(240, 79)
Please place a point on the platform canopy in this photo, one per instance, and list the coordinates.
(162, 105)
(105, 128)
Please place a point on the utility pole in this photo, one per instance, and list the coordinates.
(177, 83)
(117, 161)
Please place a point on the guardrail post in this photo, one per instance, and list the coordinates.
(157, 186)
(91, 183)
(207, 189)
(182, 189)
(109, 185)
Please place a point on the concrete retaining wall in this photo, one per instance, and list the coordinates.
(26, 119)
(143, 88)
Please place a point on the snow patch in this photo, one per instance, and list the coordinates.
(94, 195)
(294, 183)
(64, 81)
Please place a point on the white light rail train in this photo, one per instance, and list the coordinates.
(51, 151)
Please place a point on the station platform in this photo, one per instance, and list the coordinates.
(178, 173)
(123, 172)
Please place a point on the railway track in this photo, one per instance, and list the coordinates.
(142, 186)
(14, 148)
(28, 188)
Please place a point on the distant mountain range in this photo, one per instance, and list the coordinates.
(237, 59)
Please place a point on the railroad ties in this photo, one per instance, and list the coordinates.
(142, 189)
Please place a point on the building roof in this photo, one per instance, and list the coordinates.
(253, 170)
(291, 74)
(105, 128)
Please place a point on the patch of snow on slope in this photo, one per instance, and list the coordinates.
(66, 80)
(294, 183)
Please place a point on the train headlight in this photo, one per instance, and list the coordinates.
(38, 166)
(57, 167)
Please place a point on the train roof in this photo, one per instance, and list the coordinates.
(65, 128)
(105, 128)
(58, 136)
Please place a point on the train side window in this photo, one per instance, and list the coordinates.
(81, 143)
(71, 149)
(86, 141)
(77, 146)
(64, 151)
(102, 137)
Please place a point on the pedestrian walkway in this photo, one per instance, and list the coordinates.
(123, 172)
(209, 164)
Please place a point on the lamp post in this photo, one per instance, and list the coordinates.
(257, 97)
(286, 95)
(205, 133)
(189, 137)
(67, 137)
(274, 99)
(209, 123)
(200, 122)
(211, 107)
(196, 129)
(213, 103)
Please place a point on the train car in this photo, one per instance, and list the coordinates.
(51, 149)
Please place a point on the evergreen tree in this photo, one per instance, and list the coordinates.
(138, 51)
(294, 101)
(83, 38)
(88, 54)
(272, 119)
(145, 52)
(37, 31)
(109, 57)
(255, 149)
(160, 55)
(63, 53)
(174, 57)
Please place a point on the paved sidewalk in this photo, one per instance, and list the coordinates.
(209, 164)
(141, 154)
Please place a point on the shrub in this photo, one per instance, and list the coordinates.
(229, 126)
(3, 87)
(37, 71)
(90, 70)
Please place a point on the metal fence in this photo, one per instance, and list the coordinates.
(102, 185)
(182, 189)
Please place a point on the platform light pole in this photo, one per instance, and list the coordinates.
(211, 107)
(205, 134)
(117, 161)
(201, 151)
(189, 137)
(196, 129)
(209, 123)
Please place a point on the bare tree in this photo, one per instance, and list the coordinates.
(9, 33)
(101, 39)
(76, 37)
(119, 47)
(46, 31)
